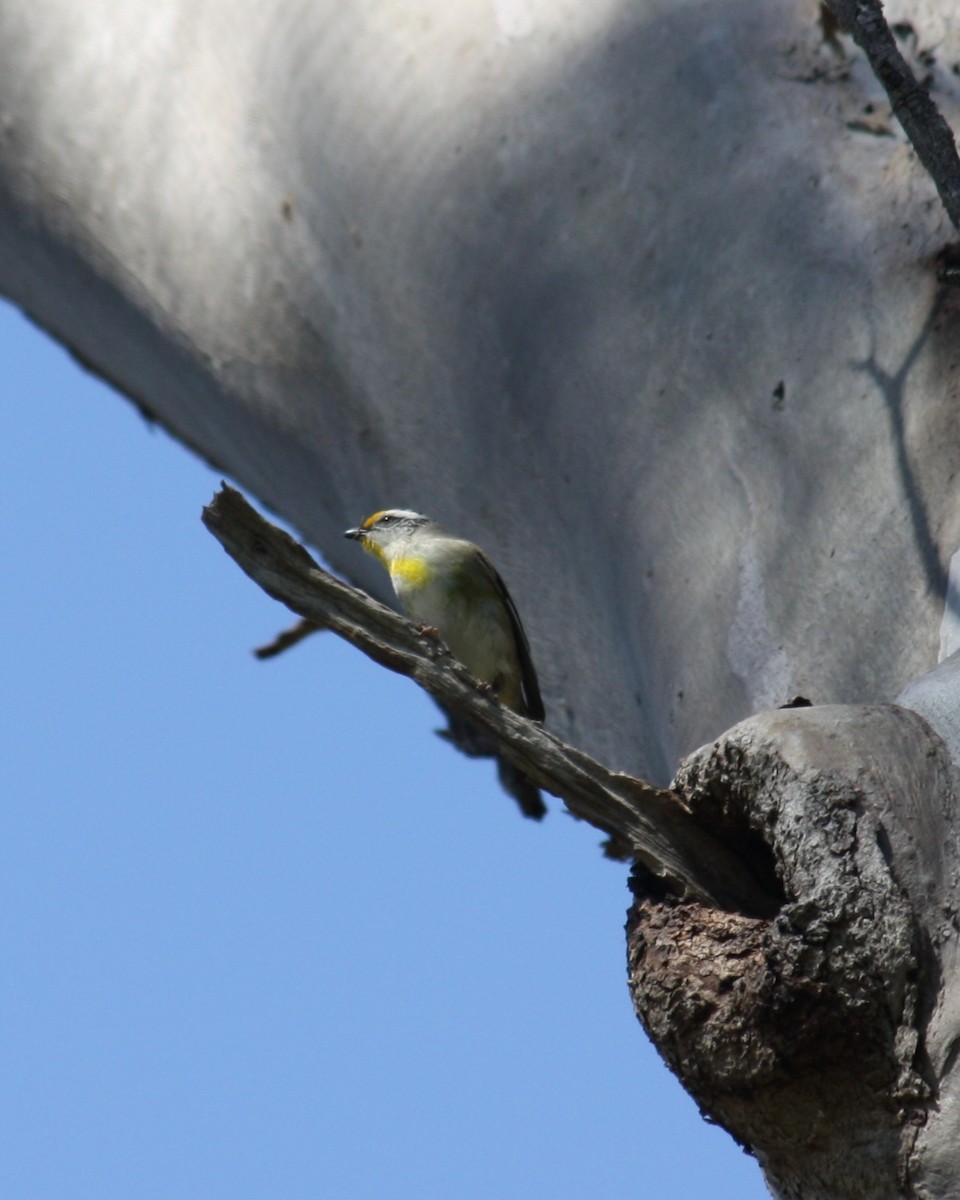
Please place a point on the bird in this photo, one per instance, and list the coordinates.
(446, 583)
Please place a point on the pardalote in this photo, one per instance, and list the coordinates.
(449, 583)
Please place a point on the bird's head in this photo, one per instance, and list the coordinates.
(387, 532)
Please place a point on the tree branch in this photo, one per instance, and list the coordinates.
(287, 639)
(689, 858)
(922, 122)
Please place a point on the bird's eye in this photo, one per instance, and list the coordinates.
(387, 520)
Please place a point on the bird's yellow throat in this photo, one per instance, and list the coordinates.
(413, 572)
(404, 569)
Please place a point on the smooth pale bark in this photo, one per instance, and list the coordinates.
(541, 271)
(640, 296)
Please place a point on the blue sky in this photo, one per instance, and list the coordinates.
(263, 936)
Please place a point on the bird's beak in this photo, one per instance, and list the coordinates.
(355, 535)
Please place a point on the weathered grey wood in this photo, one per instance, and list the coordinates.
(642, 297)
(653, 822)
(932, 880)
(824, 1038)
(817, 1038)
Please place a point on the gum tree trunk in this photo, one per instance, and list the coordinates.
(644, 296)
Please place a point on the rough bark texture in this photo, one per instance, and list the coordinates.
(933, 882)
(641, 296)
(711, 860)
(813, 1014)
(817, 1039)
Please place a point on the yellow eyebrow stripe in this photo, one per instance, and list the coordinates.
(414, 572)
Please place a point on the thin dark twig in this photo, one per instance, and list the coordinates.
(656, 823)
(913, 106)
(288, 638)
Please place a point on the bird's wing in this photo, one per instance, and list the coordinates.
(528, 675)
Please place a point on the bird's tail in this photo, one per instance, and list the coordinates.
(473, 742)
(526, 793)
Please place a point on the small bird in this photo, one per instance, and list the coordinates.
(449, 584)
